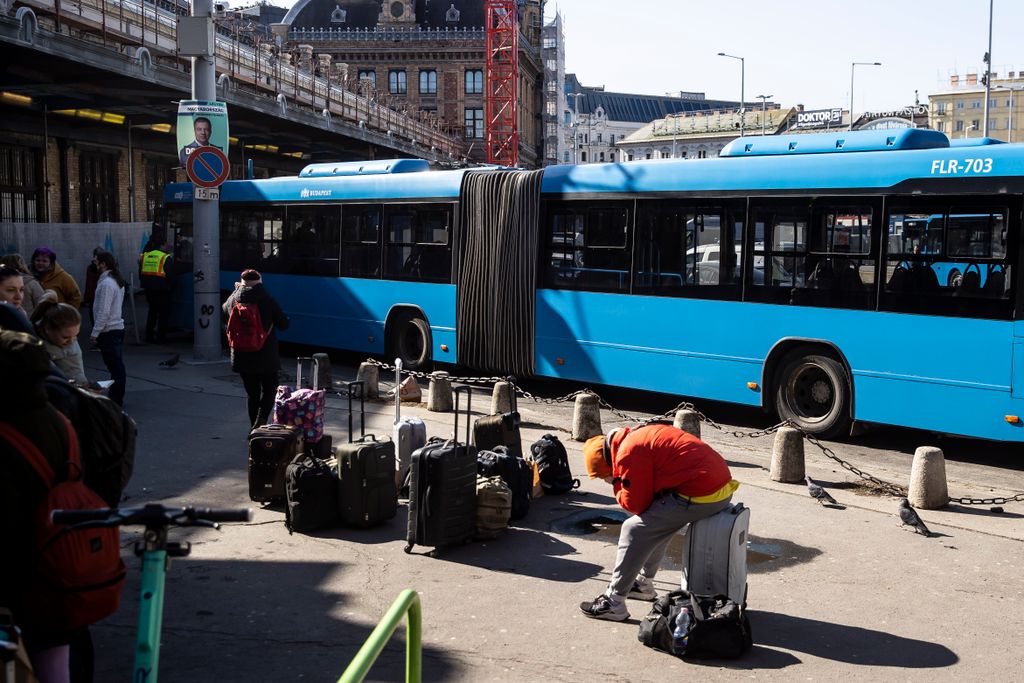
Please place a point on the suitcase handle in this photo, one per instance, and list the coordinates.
(398, 387)
(468, 390)
(362, 409)
(314, 368)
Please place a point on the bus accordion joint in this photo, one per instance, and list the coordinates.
(1013, 419)
(753, 386)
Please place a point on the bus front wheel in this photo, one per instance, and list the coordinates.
(812, 391)
(411, 342)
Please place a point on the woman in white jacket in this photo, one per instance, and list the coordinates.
(108, 330)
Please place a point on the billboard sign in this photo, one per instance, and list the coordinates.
(820, 118)
(201, 124)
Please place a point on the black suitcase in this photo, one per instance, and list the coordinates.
(366, 473)
(515, 472)
(442, 489)
(311, 489)
(500, 430)
(271, 448)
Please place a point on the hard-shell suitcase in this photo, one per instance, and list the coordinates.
(715, 554)
(271, 448)
(366, 473)
(300, 407)
(311, 489)
(500, 430)
(515, 472)
(410, 433)
(442, 489)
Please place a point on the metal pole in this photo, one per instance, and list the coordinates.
(131, 176)
(988, 72)
(46, 153)
(206, 223)
(1009, 123)
(743, 104)
(853, 65)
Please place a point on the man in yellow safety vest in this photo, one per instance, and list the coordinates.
(155, 276)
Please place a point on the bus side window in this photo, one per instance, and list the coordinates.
(360, 236)
(588, 246)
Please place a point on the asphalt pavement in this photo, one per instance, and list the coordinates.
(834, 593)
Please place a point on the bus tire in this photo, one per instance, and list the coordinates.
(812, 391)
(955, 278)
(412, 342)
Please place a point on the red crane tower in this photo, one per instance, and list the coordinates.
(502, 110)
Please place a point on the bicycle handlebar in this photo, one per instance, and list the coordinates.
(151, 515)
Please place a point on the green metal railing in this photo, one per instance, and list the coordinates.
(407, 601)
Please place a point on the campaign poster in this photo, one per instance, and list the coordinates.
(201, 124)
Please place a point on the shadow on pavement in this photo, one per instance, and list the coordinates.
(229, 621)
(847, 644)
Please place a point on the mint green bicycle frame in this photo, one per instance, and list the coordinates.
(151, 615)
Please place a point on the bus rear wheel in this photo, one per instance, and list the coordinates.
(411, 342)
(812, 391)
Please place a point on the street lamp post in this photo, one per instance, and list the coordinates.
(764, 99)
(853, 65)
(968, 129)
(743, 75)
(988, 72)
(575, 124)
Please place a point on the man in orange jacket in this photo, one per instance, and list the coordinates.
(667, 479)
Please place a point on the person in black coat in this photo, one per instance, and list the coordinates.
(259, 369)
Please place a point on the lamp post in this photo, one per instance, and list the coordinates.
(743, 75)
(575, 124)
(764, 99)
(968, 129)
(853, 66)
(988, 72)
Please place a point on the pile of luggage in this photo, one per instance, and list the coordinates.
(456, 490)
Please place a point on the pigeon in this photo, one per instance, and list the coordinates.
(172, 361)
(819, 494)
(908, 517)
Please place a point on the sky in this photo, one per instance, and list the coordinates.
(797, 52)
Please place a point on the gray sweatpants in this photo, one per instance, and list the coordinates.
(644, 537)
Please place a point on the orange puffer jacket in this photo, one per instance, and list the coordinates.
(658, 458)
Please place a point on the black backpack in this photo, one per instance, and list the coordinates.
(719, 627)
(311, 489)
(107, 436)
(552, 463)
(514, 471)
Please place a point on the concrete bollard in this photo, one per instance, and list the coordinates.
(439, 393)
(688, 421)
(928, 488)
(586, 418)
(501, 398)
(322, 368)
(788, 456)
(369, 374)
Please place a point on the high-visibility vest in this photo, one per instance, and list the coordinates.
(153, 263)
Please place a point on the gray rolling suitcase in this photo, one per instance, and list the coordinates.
(410, 433)
(715, 554)
(366, 470)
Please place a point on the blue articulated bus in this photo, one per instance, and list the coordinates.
(811, 275)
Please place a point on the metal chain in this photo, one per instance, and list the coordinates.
(888, 487)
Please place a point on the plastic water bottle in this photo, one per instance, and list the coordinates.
(681, 632)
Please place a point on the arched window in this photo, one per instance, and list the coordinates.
(339, 15)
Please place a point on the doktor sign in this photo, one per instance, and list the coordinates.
(201, 124)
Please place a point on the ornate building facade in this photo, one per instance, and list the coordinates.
(426, 57)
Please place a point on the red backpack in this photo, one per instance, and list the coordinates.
(245, 328)
(79, 574)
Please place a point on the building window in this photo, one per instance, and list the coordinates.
(565, 156)
(474, 81)
(583, 157)
(159, 172)
(940, 126)
(339, 15)
(959, 126)
(551, 130)
(368, 75)
(474, 124)
(20, 184)
(428, 82)
(452, 15)
(611, 156)
(548, 43)
(960, 104)
(99, 192)
(975, 104)
(612, 140)
(599, 137)
(567, 118)
(396, 83)
(552, 86)
(601, 157)
(629, 158)
(942, 107)
(975, 123)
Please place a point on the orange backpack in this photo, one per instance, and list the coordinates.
(79, 573)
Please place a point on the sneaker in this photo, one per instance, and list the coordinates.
(603, 608)
(643, 589)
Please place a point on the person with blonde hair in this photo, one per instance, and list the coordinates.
(58, 326)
